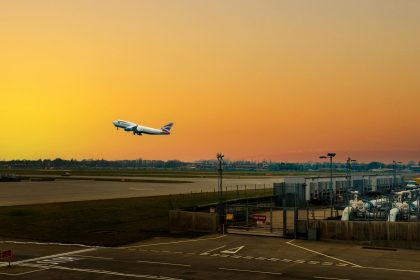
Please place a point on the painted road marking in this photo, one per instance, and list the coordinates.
(175, 242)
(58, 260)
(390, 269)
(233, 250)
(236, 256)
(330, 278)
(48, 243)
(93, 257)
(165, 263)
(208, 253)
(212, 250)
(23, 273)
(319, 253)
(251, 271)
(104, 272)
(53, 256)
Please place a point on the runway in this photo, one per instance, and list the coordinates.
(28, 192)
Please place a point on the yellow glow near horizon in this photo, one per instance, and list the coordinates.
(254, 79)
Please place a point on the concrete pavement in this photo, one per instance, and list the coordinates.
(219, 256)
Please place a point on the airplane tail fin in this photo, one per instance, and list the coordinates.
(167, 128)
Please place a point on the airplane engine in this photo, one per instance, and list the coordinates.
(136, 130)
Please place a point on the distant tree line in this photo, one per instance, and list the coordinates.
(59, 163)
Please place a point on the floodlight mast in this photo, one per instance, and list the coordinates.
(220, 157)
(394, 167)
(349, 168)
(330, 156)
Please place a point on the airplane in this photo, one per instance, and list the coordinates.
(139, 129)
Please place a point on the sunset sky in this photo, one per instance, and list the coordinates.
(274, 80)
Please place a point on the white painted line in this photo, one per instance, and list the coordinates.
(93, 257)
(233, 250)
(248, 257)
(48, 243)
(236, 256)
(341, 264)
(391, 269)
(224, 256)
(327, 263)
(330, 278)
(322, 254)
(165, 263)
(48, 262)
(285, 260)
(53, 256)
(215, 255)
(261, 258)
(299, 261)
(209, 251)
(251, 271)
(315, 262)
(105, 272)
(23, 273)
(175, 242)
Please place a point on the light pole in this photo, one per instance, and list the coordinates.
(394, 167)
(330, 156)
(220, 184)
(349, 168)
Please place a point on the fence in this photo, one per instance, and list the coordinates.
(229, 192)
(184, 221)
(398, 234)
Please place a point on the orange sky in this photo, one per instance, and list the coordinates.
(280, 80)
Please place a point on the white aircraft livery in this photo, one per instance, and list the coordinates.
(139, 129)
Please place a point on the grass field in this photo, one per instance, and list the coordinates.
(101, 222)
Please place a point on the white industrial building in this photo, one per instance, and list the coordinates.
(300, 190)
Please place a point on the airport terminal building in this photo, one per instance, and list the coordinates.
(300, 191)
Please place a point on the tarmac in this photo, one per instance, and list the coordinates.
(31, 192)
(209, 257)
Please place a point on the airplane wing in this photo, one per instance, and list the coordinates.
(130, 128)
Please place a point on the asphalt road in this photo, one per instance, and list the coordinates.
(26, 192)
(211, 257)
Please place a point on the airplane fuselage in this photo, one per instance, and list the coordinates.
(140, 129)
